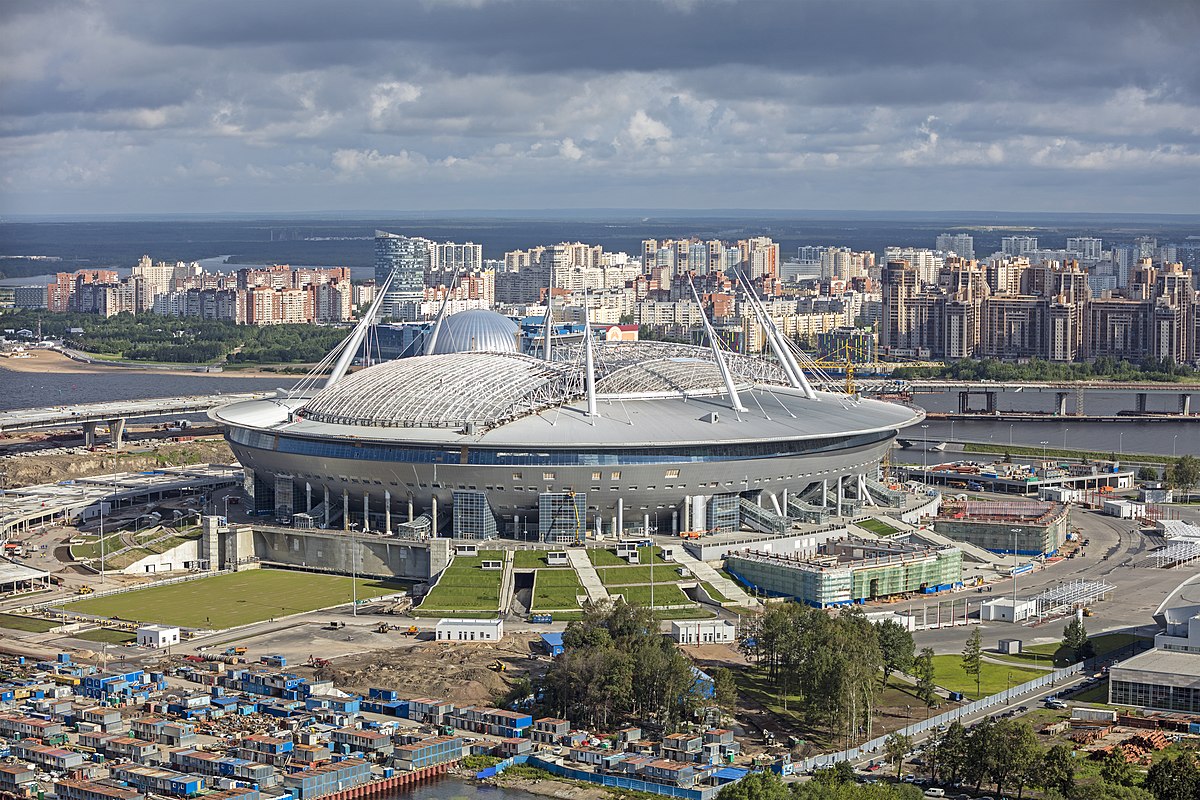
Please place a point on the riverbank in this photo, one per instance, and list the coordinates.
(53, 362)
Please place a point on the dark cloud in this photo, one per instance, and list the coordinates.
(304, 103)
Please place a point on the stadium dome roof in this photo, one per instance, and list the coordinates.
(447, 391)
(476, 330)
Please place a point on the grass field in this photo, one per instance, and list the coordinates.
(666, 594)
(603, 557)
(948, 673)
(555, 588)
(16, 623)
(713, 592)
(877, 527)
(227, 601)
(624, 576)
(464, 586)
(532, 559)
(103, 635)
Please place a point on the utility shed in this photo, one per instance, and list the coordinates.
(469, 630)
(157, 636)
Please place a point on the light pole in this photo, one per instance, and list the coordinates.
(1121, 443)
(353, 577)
(925, 452)
(1043, 444)
(102, 540)
(1174, 439)
(1014, 532)
(952, 430)
(1065, 437)
(1010, 427)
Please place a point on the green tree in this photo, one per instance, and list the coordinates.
(724, 690)
(1184, 473)
(953, 749)
(922, 670)
(895, 748)
(1147, 474)
(1075, 639)
(972, 658)
(1058, 770)
(1023, 754)
(840, 773)
(1174, 778)
(756, 786)
(895, 647)
(1115, 769)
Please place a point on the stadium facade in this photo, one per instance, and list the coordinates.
(604, 437)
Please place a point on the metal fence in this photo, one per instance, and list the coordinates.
(619, 782)
(876, 745)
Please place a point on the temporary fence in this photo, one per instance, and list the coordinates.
(876, 745)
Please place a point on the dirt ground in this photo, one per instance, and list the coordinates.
(458, 672)
(50, 361)
(29, 470)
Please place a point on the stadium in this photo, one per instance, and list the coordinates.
(476, 439)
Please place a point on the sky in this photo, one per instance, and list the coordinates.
(110, 106)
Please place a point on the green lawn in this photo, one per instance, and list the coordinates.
(103, 635)
(465, 588)
(666, 594)
(532, 559)
(226, 601)
(624, 576)
(603, 557)
(948, 673)
(713, 592)
(555, 588)
(1104, 643)
(877, 527)
(30, 624)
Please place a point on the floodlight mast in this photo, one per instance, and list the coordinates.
(589, 359)
(792, 368)
(356, 338)
(734, 398)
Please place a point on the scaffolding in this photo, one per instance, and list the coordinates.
(722, 514)
(893, 498)
(1067, 597)
(473, 517)
(761, 519)
(1176, 554)
(562, 517)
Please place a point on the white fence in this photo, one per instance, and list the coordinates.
(916, 728)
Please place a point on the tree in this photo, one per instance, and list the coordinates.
(1184, 472)
(1115, 769)
(1075, 639)
(840, 773)
(1023, 754)
(1147, 474)
(923, 671)
(724, 690)
(1058, 770)
(895, 748)
(972, 658)
(953, 752)
(1174, 778)
(896, 647)
(756, 786)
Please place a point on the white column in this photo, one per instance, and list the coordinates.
(646, 524)
(345, 510)
(824, 493)
(366, 511)
(839, 496)
(307, 497)
(326, 506)
(410, 509)
(620, 516)
(433, 514)
(387, 511)
(687, 512)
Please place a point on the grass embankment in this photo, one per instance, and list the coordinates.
(714, 593)
(877, 527)
(466, 587)
(532, 559)
(603, 557)
(227, 601)
(1079, 455)
(627, 576)
(555, 588)
(28, 624)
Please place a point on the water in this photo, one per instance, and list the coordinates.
(36, 390)
(1125, 436)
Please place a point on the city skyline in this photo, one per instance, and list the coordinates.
(1075, 107)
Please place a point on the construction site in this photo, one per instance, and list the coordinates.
(1023, 527)
(850, 570)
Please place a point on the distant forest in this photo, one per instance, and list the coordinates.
(1103, 369)
(347, 242)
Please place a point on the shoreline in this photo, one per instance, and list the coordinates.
(46, 362)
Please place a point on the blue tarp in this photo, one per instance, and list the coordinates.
(730, 774)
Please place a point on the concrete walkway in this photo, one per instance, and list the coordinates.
(587, 574)
(507, 583)
(709, 575)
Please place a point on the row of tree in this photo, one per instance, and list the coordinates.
(834, 667)
(616, 667)
(1105, 368)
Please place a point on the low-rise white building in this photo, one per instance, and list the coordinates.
(469, 630)
(1003, 609)
(157, 636)
(703, 631)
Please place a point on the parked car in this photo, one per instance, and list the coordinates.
(935, 791)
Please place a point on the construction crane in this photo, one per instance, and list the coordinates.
(843, 357)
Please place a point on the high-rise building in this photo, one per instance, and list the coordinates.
(961, 244)
(406, 258)
(1018, 245)
(1086, 248)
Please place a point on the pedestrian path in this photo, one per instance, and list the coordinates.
(587, 574)
(709, 575)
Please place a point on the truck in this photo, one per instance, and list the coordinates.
(235, 651)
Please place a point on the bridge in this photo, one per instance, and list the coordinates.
(114, 414)
(1062, 391)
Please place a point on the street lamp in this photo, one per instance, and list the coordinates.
(1065, 437)
(1043, 444)
(1010, 427)
(1014, 532)
(952, 430)
(925, 451)
(1121, 443)
(1173, 440)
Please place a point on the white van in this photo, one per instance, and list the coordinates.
(934, 791)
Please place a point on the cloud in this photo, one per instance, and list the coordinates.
(923, 103)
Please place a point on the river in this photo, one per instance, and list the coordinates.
(29, 390)
(454, 788)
